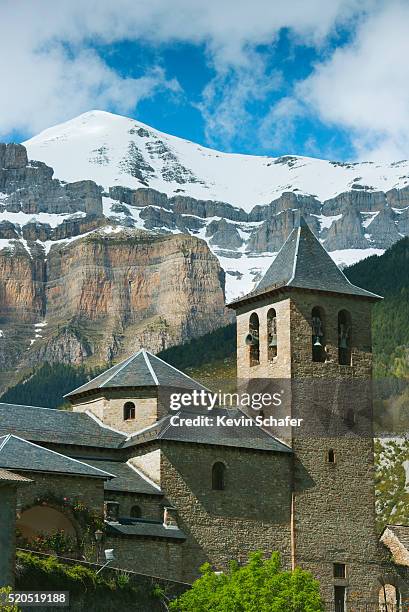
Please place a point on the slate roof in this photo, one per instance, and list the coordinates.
(47, 425)
(143, 369)
(127, 478)
(57, 426)
(401, 532)
(10, 477)
(303, 263)
(19, 454)
(144, 529)
(239, 436)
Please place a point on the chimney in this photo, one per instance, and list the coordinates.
(111, 511)
(170, 517)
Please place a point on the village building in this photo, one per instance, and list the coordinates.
(9, 483)
(173, 496)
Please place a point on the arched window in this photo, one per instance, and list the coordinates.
(331, 456)
(344, 337)
(136, 512)
(129, 411)
(389, 598)
(218, 476)
(272, 334)
(252, 340)
(318, 334)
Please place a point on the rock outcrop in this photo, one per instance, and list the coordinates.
(105, 295)
(29, 187)
(346, 231)
(113, 269)
(224, 234)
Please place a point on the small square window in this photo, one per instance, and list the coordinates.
(339, 570)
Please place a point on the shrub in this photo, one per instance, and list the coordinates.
(7, 608)
(258, 586)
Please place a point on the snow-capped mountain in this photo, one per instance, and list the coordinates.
(243, 206)
(114, 150)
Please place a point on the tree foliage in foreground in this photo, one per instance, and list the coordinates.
(258, 586)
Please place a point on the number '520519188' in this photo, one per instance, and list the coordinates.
(36, 598)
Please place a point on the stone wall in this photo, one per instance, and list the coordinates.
(252, 513)
(281, 367)
(7, 534)
(108, 406)
(154, 557)
(151, 505)
(334, 509)
(149, 463)
(335, 502)
(90, 491)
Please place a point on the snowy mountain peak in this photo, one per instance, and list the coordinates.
(115, 150)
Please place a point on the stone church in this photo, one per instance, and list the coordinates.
(175, 496)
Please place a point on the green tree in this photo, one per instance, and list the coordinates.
(258, 586)
(7, 607)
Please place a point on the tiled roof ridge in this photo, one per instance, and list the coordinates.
(48, 450)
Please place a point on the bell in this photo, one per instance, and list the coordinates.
(317, 341)
(251, 339)
(273, 341)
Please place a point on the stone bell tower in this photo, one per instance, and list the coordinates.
(307, 326)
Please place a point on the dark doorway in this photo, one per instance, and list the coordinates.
(339, 596)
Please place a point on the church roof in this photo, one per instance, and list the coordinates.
(144, 528)
(127, 478)
(7, 477)
(19, 454)
(401, 532)
(143, 369)
(56, 426)
(47, 425)
(239, 434)
(303, 263)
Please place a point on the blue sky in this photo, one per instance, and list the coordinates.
(180, 113)
(326, 79)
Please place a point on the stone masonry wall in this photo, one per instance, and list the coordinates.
(151, 505)
(153, 557)
(109, 408)
(334, 509)
(281, 368)
(7, 534)
(335, 503)
(252, 513)
(89, 491)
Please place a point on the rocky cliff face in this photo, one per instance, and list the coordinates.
(92, 269)
(350, 213)
(105, 295)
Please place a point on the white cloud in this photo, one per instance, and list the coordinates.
(227, 96)
(278, 127)
(49, 72)
(363, 87)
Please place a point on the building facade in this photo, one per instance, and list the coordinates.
(173, 496)
(9, 484)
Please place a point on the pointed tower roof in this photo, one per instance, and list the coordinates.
(303, 263)
(143, 369)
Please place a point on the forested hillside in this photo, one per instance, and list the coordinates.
(212, 356)
(47, 384)
(388, 276)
